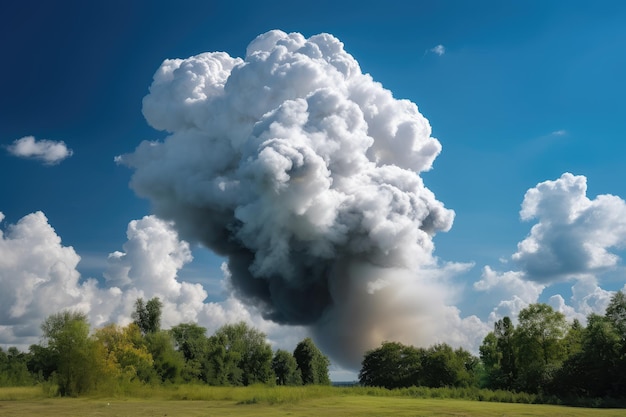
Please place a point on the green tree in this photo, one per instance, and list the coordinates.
(505, 333)
(444, 367)
(286, 369)
(167, 361)
(539, 342)
(498, 354)
(41, 362)
(596, 367)
(594, 371)
(491, 357)
(191, 340)
(222, 366)
(147, 316)
(572, 342)
(244, 348)
(77, 363)
(392, 365)
(616, 313)
(13, 368)
(312, 363)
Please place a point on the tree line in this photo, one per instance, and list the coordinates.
(80, 361)
(543, 354)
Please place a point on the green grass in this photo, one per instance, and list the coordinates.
(21, 393)
(190, 400)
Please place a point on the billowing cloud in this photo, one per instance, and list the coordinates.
(305, 174)
(438, 50)
(572, 240)
(574, 235)
(508, 284)
(38, 277)
(48, 151)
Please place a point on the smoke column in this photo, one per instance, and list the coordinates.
(303, 173)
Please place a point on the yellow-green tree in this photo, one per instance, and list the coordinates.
(125, 353)
(77, 363)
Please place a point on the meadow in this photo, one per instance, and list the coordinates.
(190, 401)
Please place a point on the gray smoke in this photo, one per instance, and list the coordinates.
(304, 173)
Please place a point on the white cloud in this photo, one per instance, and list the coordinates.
(574, 235)
(48, 151)
(438, 50)
(511, 287)
(570, 241)
(296, 167)
(508, 284)
(38, 277)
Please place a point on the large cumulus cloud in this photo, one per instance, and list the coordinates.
(575, 238)
(39, 277)
(305, 174)
(574, 235)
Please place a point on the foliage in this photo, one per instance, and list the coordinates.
(125, 353)
(527, 357)
(147, 316)
(539, 341)
(558, 363)
(74, 353)
(286, 369)
(395, 365)
(240, 355)
(190, 340)
(168, 362)
(598, 369)
(312, 363)
(13, 368)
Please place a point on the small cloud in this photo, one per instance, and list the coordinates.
(561, 132)
(49, 151)
(439, 50)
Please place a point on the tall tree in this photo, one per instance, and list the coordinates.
(312, 363)
(168, 362)
(13, 368)
(286, 369)
(147, 316)
(539, 339)
(443, 366)
(245, 348)
(125, 351)
(504, 331)
(191, 340)
(392, 365)
(491, 357)
(77, 364)
(616, 313)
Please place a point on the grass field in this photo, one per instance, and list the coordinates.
(263, 401)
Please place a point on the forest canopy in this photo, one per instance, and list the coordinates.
(542, 354)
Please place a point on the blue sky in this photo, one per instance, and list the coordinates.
(518, 93)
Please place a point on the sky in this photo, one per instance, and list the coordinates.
(420, 171)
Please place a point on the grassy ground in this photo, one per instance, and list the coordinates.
(261, 401)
